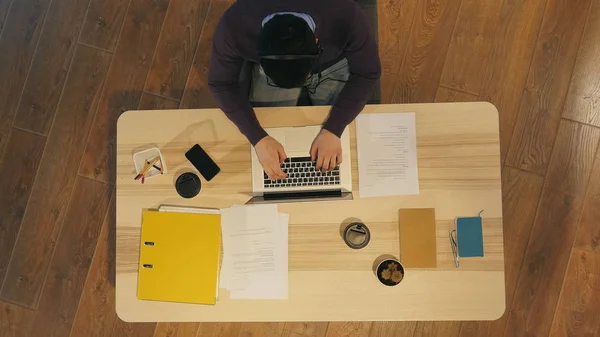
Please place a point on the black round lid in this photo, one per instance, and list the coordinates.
(357, 235)
(188, 185)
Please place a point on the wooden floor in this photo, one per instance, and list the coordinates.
(68, 68)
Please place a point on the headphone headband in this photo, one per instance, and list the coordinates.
(288, 57)
(295, 57)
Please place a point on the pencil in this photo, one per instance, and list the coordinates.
(158, 168)
(146, 168)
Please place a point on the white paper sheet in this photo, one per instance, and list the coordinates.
(262, 283)
(387, 154)
(255, 249)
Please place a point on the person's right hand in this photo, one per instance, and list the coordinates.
(270, 154)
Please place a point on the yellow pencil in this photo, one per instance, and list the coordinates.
(147, 167)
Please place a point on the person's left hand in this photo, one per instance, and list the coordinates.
(326, 149)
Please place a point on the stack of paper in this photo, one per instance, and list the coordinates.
(255, 252)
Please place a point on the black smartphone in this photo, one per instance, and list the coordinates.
(202, 162)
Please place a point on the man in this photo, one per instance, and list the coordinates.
(324, 45)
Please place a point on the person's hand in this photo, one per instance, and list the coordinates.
(270, 154)
(326, 149)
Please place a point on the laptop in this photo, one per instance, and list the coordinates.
(304, 182)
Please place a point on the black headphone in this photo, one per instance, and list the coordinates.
(288, 57)
(314, 57)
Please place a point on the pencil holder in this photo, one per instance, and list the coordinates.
(140, 158)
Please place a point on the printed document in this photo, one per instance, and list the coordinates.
(387, 154)
(255, 252)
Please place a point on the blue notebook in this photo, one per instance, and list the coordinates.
(469, 234)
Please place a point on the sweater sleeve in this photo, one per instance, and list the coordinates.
(223, 81)
(365, 70)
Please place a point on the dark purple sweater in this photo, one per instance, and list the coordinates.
(342, 30)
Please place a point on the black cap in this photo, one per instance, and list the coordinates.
(188, 185)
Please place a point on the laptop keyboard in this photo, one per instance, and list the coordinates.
(301, 172)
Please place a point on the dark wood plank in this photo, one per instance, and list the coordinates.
(520, 197)
(393, 329)
(103, 23)
(14, 320)
(309, 329)
(588, 231)
(471, 45)
(578, 311)
(509, 61)
(19, 167)
(388, 86)
(96, 311)
(395, 18)
(439, 329)
(426, 50)
(176, 48)
(50, 65)
(355, 329)
(124, 84)
(153, 102)
(545, 262)
(17, 44)
(547, 84)
(261, 329)
(72, 258)
(451, 95)
(583, 98)
(196, 94)
(219, 329)
(50, 195)
(4, 6)
(485, 328)
(125, 329)
(188, 329)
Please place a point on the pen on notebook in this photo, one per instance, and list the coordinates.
(454, 248)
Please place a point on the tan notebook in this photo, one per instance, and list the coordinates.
(417, 238)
